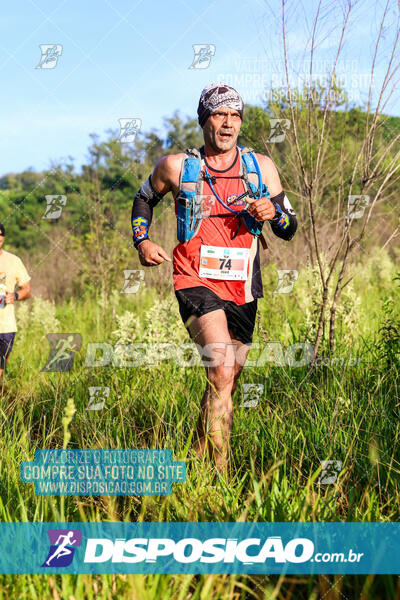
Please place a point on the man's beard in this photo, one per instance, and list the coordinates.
(222, 145)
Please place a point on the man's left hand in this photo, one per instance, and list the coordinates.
(261, 209)
(10, 298)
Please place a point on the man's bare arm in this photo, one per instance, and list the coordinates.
(23, 293)
(270, 175)
(165, 176)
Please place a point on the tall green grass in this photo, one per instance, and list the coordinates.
(346, 413)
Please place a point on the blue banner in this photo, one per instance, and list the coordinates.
(284, 548)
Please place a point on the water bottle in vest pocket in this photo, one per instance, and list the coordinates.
(2, 290)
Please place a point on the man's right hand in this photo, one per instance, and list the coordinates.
(151, 254)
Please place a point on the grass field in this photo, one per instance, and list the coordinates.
(332, 412)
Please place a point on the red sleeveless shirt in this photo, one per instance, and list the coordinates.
(220, 231)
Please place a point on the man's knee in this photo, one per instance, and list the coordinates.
(217, 354)
(236, 376)
(221, 377)
(235, 379)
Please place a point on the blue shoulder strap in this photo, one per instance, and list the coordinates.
(191, 170)
(188, 208)
(251, 165)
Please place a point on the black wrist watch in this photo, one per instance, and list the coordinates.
(16, 295)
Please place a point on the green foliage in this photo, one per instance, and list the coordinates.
(309, 295)
(348, 413)
(388, 343)
(341, 413)
(94, 229)
(344, 133)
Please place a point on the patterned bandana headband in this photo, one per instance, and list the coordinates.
(216, 95)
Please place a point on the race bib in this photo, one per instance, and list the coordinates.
(218, 262)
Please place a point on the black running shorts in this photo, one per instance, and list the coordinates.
(200, 300)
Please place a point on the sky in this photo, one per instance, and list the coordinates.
(119, 59)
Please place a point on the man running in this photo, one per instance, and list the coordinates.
(12, 274)
(223, 194)
(63, 541)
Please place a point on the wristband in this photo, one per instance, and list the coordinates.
(16, 296)
(280, 219)
(140, 230)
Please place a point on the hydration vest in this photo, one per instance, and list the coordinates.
(189, 202)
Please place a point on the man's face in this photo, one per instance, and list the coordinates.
(222, 128)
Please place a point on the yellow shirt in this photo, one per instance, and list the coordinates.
(12, 272)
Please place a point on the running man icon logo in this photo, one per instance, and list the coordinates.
(252, 392)
(54, 207)
(356, 205)
(207, 202)
(278, 131)
(133, 279)
(63, 543)
(202, 55)
(62, 351)
(286, 279)
(98, 397)
(128, 129)
(50, 55)
(330, 470)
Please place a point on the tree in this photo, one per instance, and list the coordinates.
(332, 152)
